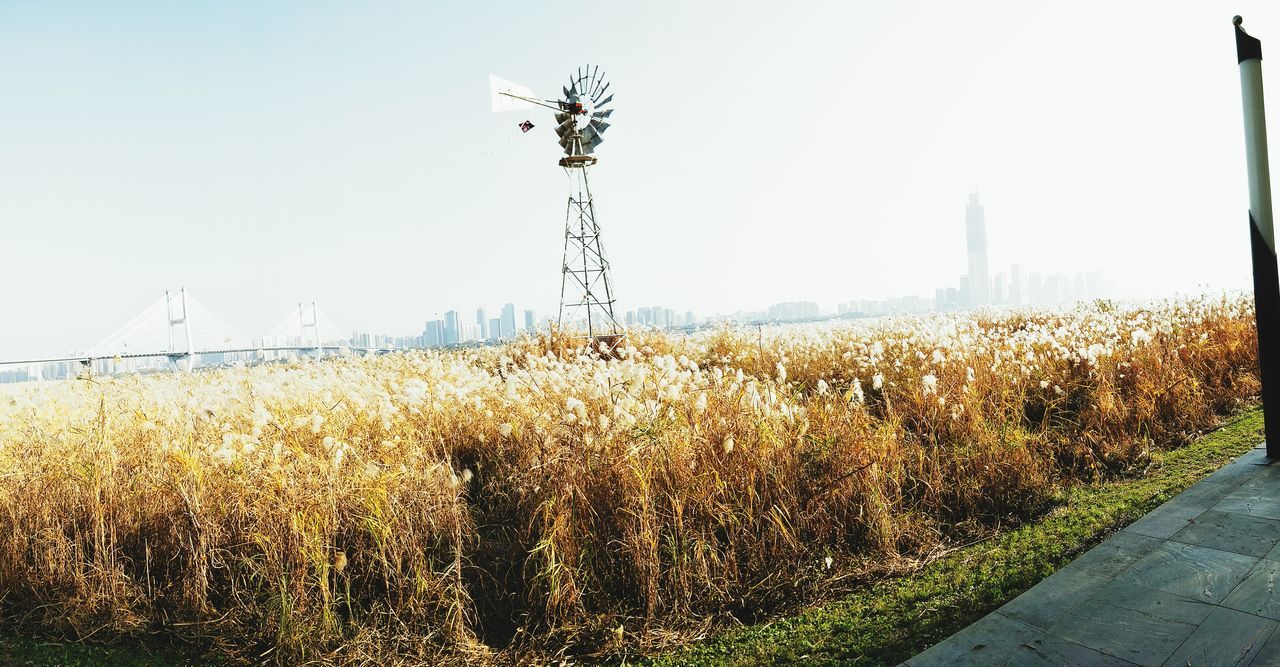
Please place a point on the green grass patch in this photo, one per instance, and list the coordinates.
(893, 620)
(35, 652)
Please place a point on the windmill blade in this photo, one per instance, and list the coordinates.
(600, 92)
(604, 102)
(599, 126)
(589, 135)
(501, 92)
(591, 79)
(602, 114)
(562, 117)
(599, 83)
(565, 129)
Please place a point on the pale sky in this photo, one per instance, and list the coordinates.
(263, 154)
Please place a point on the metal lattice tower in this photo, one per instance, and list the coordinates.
(585, 289)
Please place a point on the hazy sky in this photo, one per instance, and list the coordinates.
(263, 154)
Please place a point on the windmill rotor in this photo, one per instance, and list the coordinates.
(581, 122)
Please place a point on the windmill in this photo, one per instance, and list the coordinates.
(581, 116)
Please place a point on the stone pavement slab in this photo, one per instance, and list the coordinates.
(1258, 594)
(1045, 601)
(1225, 637)
(1229, 531)
(1166, 520)
(1194, 572)
(999, 640)
(1139, 624)
(1194, 582)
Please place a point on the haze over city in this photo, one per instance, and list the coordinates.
(347, 155)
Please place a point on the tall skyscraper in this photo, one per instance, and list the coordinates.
(1035, 288)
(482, 321)
(529, 324)
(451, 331)
(508, 320)
(975, 225)
(998, 294)
(1093, 283)
(1017, 295)
(433, 334)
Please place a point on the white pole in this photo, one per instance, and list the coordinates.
(1249, 51)
(1266, 282)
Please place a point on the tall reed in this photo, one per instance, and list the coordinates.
(535, 499)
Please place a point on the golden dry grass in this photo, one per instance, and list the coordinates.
(533, 499)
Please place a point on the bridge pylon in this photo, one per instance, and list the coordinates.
(174, 321)
(314, 324)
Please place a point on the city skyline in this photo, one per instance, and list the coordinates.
(976, 288)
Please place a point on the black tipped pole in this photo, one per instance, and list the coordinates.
(1266, 283)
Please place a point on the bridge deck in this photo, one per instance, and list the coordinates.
(1195, 582)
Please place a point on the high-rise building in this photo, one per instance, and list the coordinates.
(530, 324)
(1055, 288)
(975, 225)
(451, 329)
(508, 321)
(433, 334)
(793, 311)
(495, 328)
(1093, 283)
(482, 321)
(1035, 288)
(1016, 294)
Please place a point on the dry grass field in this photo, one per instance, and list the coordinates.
(534, 499)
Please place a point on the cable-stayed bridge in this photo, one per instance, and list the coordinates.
(178, 332)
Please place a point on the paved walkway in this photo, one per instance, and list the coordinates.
(1195, 582)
